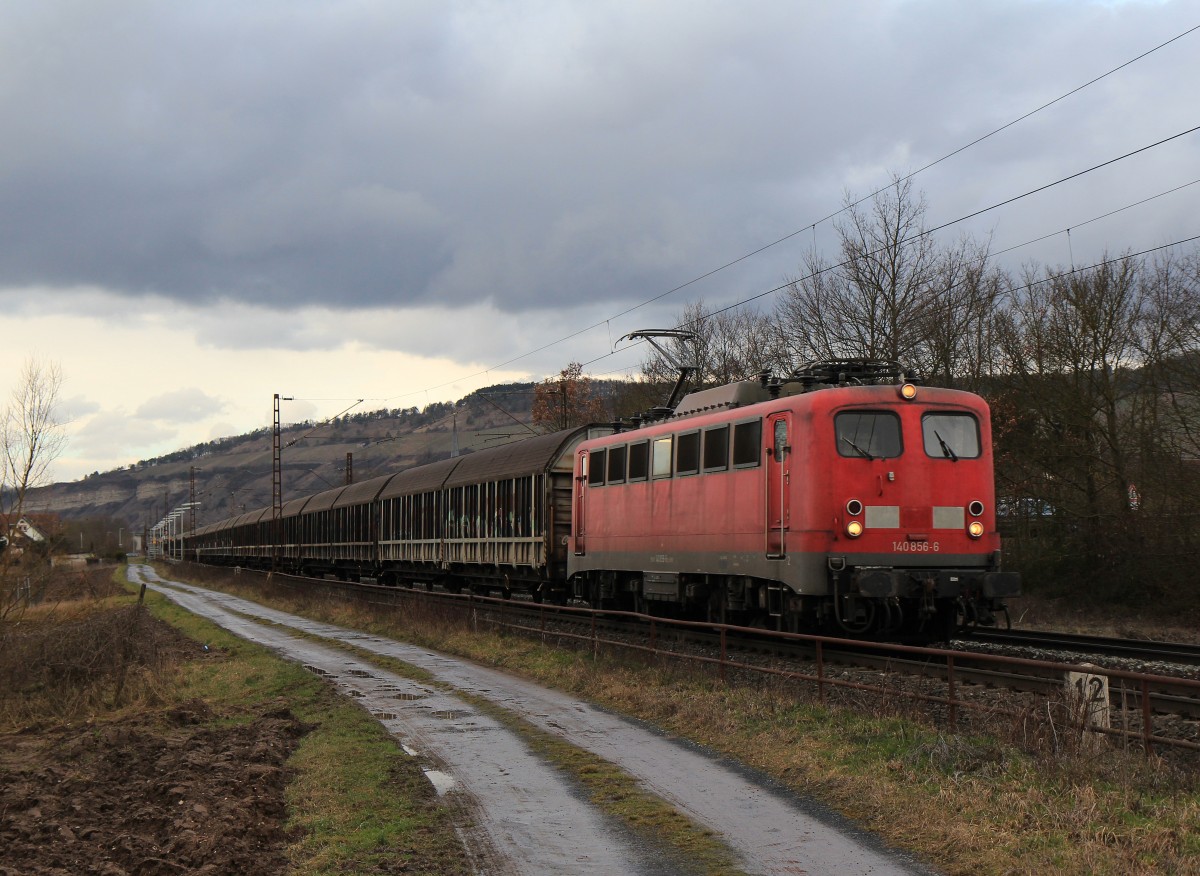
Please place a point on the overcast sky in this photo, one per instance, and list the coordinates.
(203, 204)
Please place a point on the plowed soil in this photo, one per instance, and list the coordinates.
(149, 795)
(149, 791)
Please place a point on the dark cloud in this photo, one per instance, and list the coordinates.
(384, 155)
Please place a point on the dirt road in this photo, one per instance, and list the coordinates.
(535, 822)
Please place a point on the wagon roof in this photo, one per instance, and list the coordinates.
(363, 491)
(530, 456)
(251, 516)
(293, 507)
(421, 479)
(323, 501)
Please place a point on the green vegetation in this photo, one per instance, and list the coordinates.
(357, 802)
(610, 789)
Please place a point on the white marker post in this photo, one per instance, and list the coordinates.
(1087, 700)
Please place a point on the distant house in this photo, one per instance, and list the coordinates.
(22, 534)
(23, 529)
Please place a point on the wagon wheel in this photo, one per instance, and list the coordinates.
(858, 628)
(968, 618)
(715, 608)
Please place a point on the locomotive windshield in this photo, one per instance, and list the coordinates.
(951, 436)
(868, 434)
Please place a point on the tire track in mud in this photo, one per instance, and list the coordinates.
(532, 820)
(524, 805)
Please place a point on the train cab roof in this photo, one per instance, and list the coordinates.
(748, 399)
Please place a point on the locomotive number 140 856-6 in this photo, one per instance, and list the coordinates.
(916, 547)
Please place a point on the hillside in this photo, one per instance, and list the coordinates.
(232, 474)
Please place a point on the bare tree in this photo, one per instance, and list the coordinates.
(567, 400)
(1072, 347)
(33, 437)
(1171, 348)
(896, 294)
(871, 303)
(32, 432)
(729, 345)
(956, 318)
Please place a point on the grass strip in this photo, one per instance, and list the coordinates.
(689, 846)
(357, 802)
(968, 804)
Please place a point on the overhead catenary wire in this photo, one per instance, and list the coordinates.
(1079, 225)
(322, 424)
(1047, 279)
(812, 225)
(917, 236)
(945, 225)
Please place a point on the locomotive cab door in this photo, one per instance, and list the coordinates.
(779, 451)
(578, 523)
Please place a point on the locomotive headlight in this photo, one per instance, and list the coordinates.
(975, 529)
(975, 509)
(854, 528)
(908, 391)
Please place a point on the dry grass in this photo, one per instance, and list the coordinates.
(968, 804)
(1066, 615)
(357, 803)
(82, 653)
(85, 660)
(677, 842)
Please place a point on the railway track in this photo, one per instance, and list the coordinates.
(952, 678)
(958, 673)
(954, 684)
(1142, 650)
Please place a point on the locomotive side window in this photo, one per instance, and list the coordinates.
(747, 444)
(687, 455)
(596, 468)
(716, 449)
(950, 436)
(662, 457)
(616, 465)
(868, 434)
(639, 461)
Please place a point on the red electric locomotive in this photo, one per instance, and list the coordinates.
(844, 500)
(841, 500)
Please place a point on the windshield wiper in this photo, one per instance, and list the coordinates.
(861, 452)
(946, 449)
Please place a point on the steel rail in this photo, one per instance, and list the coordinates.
(1183, 653)
(958, 670)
